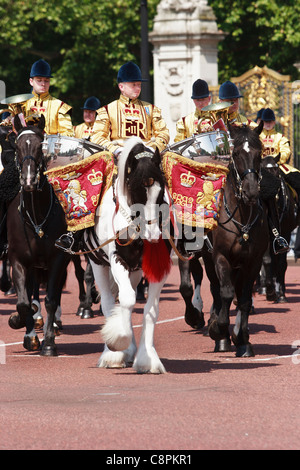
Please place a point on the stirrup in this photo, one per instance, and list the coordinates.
(65, 242)
(280, 245)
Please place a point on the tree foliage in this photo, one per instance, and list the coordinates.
(258, 32)
(84, 41)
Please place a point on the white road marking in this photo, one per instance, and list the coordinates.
(264, 359)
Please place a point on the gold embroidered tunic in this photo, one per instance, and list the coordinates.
(125, 118)
(56, 112)
(275, 143)
(237, 119)
(188, 125)
(87, 130)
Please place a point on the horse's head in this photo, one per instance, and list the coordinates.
(29, 155)
(246, 160)
(271, 164)
(142, 181)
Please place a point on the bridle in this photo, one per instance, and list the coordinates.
(29, 217)
(19, 165)
(243, 229)
(239, 178)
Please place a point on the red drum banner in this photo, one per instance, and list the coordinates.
(80, 187)
(196, 189)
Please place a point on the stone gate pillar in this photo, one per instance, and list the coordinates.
(185, 37)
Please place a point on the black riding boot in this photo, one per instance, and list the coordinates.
(142, 289)
(280, 245)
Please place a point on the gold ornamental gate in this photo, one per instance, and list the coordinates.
(265, 88)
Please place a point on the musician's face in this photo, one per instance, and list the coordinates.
(131, 90)
(40, 85)
(201, 103)
(268, 125)
(89, 116)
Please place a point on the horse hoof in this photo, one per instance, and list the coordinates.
(39, 323)
(87, 314)
(49, 351)
(262, 291)
(281, 299)
(79, 311)
(244, 350)
(195, 319)
(31, 343)
(15, 321)
(224, 345)
(271, 296)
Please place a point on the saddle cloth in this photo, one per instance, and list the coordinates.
(80, 188)
(196, 189)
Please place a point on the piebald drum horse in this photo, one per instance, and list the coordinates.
(239, 243)
(129, 216)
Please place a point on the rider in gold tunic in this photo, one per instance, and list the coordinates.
(57, 113)
(91, 124)
(274, 142)
(189, 125)
(128, 116)
(228, 91)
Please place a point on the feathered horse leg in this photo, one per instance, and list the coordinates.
(147, 359)
(120, 347)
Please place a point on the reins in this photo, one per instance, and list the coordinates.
(32, 219)
(243, 229)
(37, 227)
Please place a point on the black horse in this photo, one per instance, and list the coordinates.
(275, 266)
(191, 269)
(239, 242)
(35, 220)
(87, 291)
(7, 143)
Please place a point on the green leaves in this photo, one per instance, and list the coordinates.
(84, 41)
(259, 32)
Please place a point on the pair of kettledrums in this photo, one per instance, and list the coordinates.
(61, 150)
(207, 147)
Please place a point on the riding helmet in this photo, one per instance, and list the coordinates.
(130, 72)
(92, 103)
(259, 114)
(228, 91)
(268, 115)
(40, 68)
(200, 90)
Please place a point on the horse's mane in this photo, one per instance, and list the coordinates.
(129, 145)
